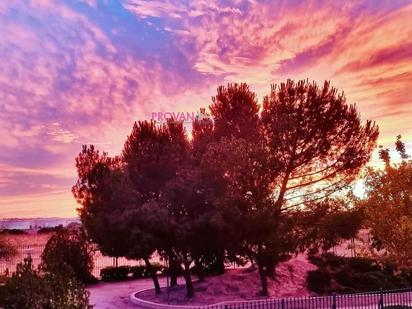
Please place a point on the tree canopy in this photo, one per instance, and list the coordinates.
(236, 188)
(388, 206)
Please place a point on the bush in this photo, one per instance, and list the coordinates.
(13, 232)
(358, 274)
(370, 281)
(333, 260)
(6, 249)
(47, 230)
(363, 264)
(319, 280)
(389, 267)
(398, 282)
(157, 267)
(344, 277)
(139, 272)
(317, 260)
(71, 248)
(28, 289)
(407, 275)
(112, 273)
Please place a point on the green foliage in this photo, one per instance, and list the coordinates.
(236, 188)
(370, 281)
(319, 280)
(69, 248)
(139, 272)
(13, 232)
(112, 273)
(388, 207)
(122, 273)
(352, 275)
(333, 260)
(48, 230)
(31, 289)
(363, 264)
(407, 275)
(326, 223)
(6, 248)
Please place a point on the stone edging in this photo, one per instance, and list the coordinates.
(150, 305)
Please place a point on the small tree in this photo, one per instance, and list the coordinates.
(326, 223)
(33, 289)
(190, 214)
(388, 206)
(6, 248)
(69, 248)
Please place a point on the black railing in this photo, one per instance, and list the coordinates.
(395, 299)
(35, 251)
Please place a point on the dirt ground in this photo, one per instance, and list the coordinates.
(235, 284)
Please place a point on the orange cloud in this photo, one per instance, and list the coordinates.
(81, 72)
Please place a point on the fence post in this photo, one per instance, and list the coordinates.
(381, 300)
(334, 301)
(282, 304)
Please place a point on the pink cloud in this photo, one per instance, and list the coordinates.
(74, 73)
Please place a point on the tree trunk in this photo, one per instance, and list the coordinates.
(220, 260)
(271, 268)
(174, 268)
(173, 279)
(153, 275)
(188, 279)
(199, 270)
(263, 279)
(189, 283)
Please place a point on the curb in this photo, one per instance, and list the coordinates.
(150, 305)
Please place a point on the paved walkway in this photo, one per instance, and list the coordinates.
(116, 295)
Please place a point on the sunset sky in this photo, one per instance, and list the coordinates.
(76, 72)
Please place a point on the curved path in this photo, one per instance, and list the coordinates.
(117, 294)
(111, 295)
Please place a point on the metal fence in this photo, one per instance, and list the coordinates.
(35, 251)
(394, 299)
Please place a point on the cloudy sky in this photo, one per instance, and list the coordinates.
(76, 72)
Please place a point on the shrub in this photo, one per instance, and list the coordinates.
(389, 267)
(112, 273)
(407, 275)
(370, 281)
(333, 260)
(71, 248)
(28, 289)
(319, 280)
(344, 277)
(316, 260)
(398, 282)
(53, 229)
(6, 249)
(139, 272)
(120, 273)
(157, 267)
(363, 264)
(13, 232)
